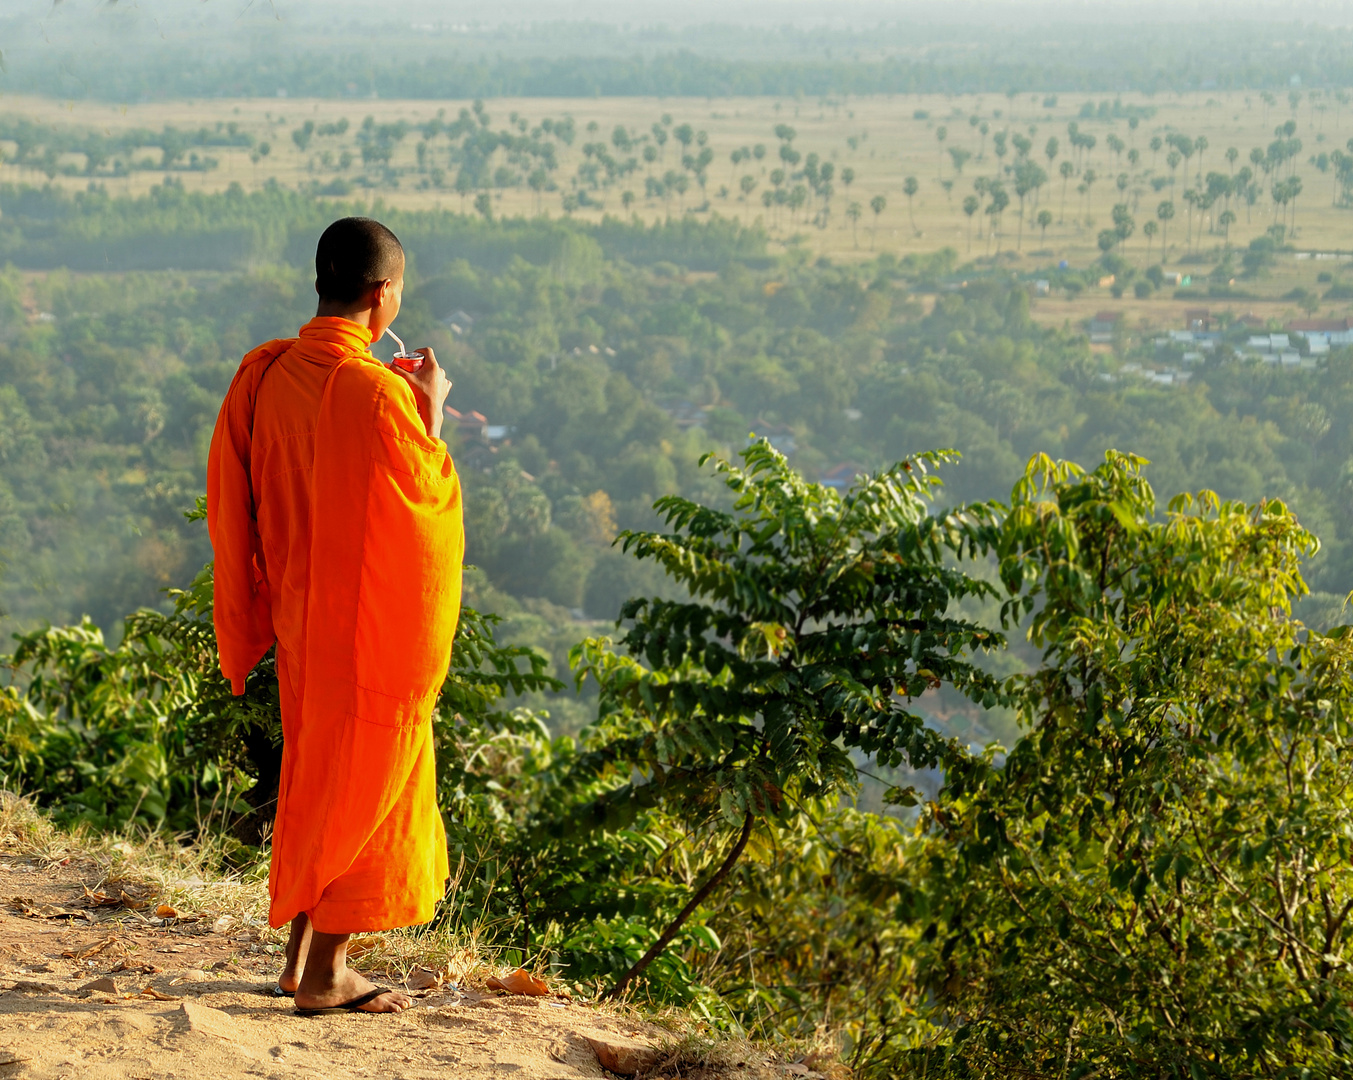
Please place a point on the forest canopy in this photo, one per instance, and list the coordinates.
(605, 359)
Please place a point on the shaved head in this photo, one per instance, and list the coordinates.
(354, 254)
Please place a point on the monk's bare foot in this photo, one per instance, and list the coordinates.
(346, 987)
(298, 945)
(326, 982)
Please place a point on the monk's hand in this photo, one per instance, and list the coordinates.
(430, 388)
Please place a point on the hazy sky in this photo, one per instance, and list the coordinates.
(75, 46)
(801, 12)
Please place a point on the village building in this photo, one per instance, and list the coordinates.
(1323, 334)
(1104, 325)
(474, 426)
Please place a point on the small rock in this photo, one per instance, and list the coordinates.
(99, 986)
(25, 986)
(625, 1057)
(208, 1021)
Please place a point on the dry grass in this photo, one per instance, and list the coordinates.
(696, 1051)
(188, 877)
(184, 876)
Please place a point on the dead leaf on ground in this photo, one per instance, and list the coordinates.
(34, 910)
(164, 911)
(182, 946)
(151, 992)
(363, 945)
(223, 924)
(89, 950)
(104, 900)
(421, 978)
(519, 982)
(142, 969)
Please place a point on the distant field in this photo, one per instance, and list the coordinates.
(884, 140)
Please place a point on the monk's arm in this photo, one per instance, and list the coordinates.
(430, 387)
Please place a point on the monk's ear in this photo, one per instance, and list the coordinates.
(375, 294)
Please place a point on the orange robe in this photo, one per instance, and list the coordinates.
(336, 525)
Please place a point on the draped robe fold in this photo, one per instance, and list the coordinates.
(337, 530)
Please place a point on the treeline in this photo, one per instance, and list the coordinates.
(172, 228)
(1034, 67)
(47, 148)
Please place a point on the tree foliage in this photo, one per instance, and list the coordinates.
(1156, 880)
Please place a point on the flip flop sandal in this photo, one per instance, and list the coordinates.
(278, 992)
(355, 1005)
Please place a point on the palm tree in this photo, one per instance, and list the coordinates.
(1066, 169)
(970, 205)
(1028, 177)
(1172, 159)
(1123, 223)
(999, 201)
(1156, 143)
(941, 133)
(1165, 211)
(736, 158)
(853, 212)
(1226, 219)
(1187, 148)
(1149, 230)
(1200, 145)
(1191, 198)
(1044, 219)
(981, 186)
(910, 187)
(1088, 179)
(1231, 155)
(877, 204)
(748, 185)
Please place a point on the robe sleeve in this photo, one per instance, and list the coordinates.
(241, 609)
(412, 580)
(386, 565)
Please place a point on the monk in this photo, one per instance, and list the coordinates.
(335, 517)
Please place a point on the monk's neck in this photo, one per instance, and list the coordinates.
(366, 317)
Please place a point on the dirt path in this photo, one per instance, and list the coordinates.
(190, 1000)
